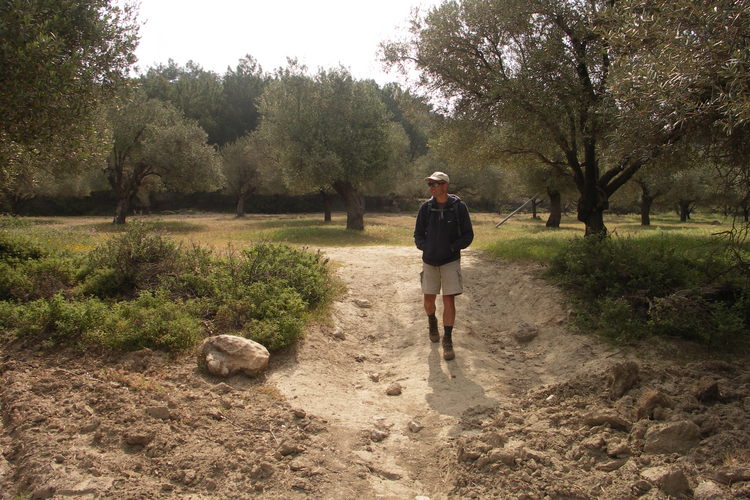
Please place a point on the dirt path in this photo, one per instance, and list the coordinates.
(531, 420)
(378, 337)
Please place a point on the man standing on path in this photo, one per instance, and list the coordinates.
(443, 229)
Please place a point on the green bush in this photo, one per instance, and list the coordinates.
(152, 320)
(305, 272)
(15, 248)
(139, 289)
(626, 289)
(139, 260)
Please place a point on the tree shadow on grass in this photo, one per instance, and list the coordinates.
(178, 227)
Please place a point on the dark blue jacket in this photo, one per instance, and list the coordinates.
(441, 233)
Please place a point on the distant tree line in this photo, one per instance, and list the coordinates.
(635, 103)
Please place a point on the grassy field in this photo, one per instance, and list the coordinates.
(521, 238)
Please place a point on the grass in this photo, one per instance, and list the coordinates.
(521, 238)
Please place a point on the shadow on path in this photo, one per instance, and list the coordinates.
(452, 391)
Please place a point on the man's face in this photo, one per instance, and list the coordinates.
(437, 188)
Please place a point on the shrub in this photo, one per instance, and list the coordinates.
(152, 320)
(139, 259)
(15, 248)
(627, 289)
(305, 272)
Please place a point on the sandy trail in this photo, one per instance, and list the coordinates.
(344, 380)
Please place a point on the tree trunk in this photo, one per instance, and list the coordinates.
(121, 210)
(646, 202)
(326, 205)
(684, 207)
(533, 209)
(591, 206)
(555, 208)
(355, 207)
(240, 210)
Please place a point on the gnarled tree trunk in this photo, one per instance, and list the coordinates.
(326, 205)
(555, 208)
(684, 207)
(355, 206)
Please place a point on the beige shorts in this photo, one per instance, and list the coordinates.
(447, 277)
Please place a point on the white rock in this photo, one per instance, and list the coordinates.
(225, 355)
(415, 426)
(363, 303)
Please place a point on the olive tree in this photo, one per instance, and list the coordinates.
(60, 60)
(241, 162)
(536, 67)
(331, 130)
(153, 142)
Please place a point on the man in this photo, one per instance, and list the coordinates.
(443, 229)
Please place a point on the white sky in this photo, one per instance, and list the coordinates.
(319, 33)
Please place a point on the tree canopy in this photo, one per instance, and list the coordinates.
(331, 130)
(153, 141)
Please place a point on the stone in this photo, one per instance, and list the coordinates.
(339, 334)
(161, 412)
(138, 438)
(225, 355)
(378, 435)
(708, 490)
(640, 488)
(287, 449)
(415, 426)
(525, 333)
(90, 426)
(729, 475)
(707, 391)
(222, 388)
(607, 417)
(649, 402)
(611, 465)
(375, 377)
(43, 493)
(362, 303)
(394, 389)
(671, 481)
(672, 437)
(622, 377)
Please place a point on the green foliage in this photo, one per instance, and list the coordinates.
(139, 289)
(304, 272)
(629, 288)
(14, 247)
(152, 320)
(137, 259)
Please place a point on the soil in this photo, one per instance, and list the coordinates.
(365, 407)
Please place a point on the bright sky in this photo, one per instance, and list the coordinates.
(319, 33)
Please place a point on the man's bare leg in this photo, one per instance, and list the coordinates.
(449, 317)
(430, 308)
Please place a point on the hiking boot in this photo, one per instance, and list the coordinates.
(434, 333)
(448, 353)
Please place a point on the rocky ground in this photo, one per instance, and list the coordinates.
(365, 407)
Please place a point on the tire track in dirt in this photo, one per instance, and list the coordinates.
(344, 380)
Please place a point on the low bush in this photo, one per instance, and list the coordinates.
(137, 259)
(139, 289)
(627, 289)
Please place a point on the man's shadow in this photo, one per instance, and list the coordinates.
(452, 392)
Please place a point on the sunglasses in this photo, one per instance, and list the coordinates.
(433, 184)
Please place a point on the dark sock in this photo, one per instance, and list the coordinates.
(448, 333)
(432, 319)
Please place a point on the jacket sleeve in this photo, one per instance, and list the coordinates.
(420, 228)
(467, 231)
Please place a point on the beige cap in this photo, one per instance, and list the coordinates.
(438, 176)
